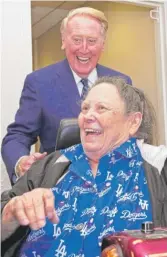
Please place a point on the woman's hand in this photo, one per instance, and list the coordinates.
(31, 209)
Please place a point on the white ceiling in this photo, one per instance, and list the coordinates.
(46, 14)
(44, 18)
(39, 12)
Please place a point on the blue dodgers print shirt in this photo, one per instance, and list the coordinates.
(90, 208)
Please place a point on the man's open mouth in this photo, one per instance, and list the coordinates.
(83, 59)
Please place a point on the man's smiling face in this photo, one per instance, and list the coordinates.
(83, 42)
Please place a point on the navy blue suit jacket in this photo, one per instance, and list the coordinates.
(49, 95)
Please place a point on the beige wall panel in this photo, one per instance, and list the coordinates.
(49, 47)
(130, 45)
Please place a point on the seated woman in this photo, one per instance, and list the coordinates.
(111, 181)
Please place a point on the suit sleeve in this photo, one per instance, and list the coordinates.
(23, 132)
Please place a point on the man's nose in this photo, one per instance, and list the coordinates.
(84, 45)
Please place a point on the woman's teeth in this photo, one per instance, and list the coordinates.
(92, 131)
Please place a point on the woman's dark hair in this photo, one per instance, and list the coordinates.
(135, 101)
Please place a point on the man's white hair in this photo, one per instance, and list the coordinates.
(86, 11)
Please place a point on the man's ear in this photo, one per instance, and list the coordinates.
(103, 45)
(62, 43)
(62, 46)
(135, 122)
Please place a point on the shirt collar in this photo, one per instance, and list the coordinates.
(128, 149)
(91, 78)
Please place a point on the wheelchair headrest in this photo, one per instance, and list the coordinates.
(68, 134)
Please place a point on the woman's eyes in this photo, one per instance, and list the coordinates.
(99, 108)
(84, 108)
(102, 108)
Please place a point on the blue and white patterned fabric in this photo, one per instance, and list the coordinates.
(90, 208)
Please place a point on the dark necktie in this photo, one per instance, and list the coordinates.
(85, 88)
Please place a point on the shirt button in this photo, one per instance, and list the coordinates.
(79, 226)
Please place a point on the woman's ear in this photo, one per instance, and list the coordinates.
(136, 120)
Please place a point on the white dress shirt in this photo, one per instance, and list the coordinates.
(91, 79)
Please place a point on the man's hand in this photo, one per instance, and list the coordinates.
(31, 209)
(26, 162)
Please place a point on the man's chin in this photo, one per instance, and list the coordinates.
(83, 71)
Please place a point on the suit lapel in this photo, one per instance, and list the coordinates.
(69, 88)
(102, 71)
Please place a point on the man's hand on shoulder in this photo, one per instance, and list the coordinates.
(26, 161)
(31, 209)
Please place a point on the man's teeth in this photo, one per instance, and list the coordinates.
(96, 131)
(83, 59)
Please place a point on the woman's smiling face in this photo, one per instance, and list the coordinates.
(102, 121)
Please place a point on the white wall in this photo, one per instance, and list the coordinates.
(165, 89)
(16, 59)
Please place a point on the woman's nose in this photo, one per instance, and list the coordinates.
(90, 115)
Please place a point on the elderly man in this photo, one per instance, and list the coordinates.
(54, 92)
(109, 183)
